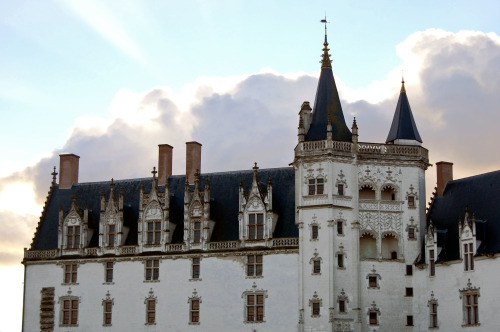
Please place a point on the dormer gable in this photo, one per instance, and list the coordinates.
(198, 227)
(467, 240)
(112, 232)
(73, 231)
(154, 229)
(257, 220)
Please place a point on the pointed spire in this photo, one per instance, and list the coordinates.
(54, 174)
(327, 107)
(403, 125)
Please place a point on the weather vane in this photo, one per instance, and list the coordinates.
(325, 21)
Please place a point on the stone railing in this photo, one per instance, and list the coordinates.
(371, 204)
(342, 200)
(223, 245)
(91, 251)
(128, 250)
(174, 247)
(286, 242)
(40, 254)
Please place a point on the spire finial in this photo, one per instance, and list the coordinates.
(154, 172)
(325, 62)
(54, 173)
(402, 82)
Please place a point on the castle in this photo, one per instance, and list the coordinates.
(338, 241)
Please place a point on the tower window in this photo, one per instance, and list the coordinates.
(411, 233)
(340, 260)
(409, 291)
(409, 270)
(373, 318)
(316, 186)
(315, 309)
(342, 306)
(152, 269)
(150, 312)
(340, 228)
(340, 190)
(411, 201)
(314, 232)
(108, 276)
(195, 311)
(111, 235)
(317, 266)
(468, 257)
(372, 282)
(108, 307)
(432, 264)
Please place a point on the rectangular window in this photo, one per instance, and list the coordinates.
(196, 268)
(411, 233)
(433, 315)
(340, 260)
(111, 235)
(151, 312)
(409, 270)
(316, 186)
(471, 309)
(73, 237)
(195, 311)
(254, 265)
(411, 201)
(432, 265)
(340, 228)
(409, 291)
(108, 307)
(373, 318)
(372, 281)
(70, 312)
(152, 269)
(256, 226)
(109, 272)
(468, 257)
(197, 232)
(315, 309)
(154, 232)
(340, 190)
(409, 320)
(255, 307)
(317, 266)
(70, 273)
(314, 232)
(341, 306)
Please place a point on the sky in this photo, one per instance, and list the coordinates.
(110, 80)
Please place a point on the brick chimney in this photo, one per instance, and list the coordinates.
(68, 169)
(444, 174)
(193, 160)
(164, 163)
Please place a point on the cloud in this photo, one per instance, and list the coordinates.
(452, 79)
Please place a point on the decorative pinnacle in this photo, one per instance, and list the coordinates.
(255, 167)
(54, 173)
(154, 172)
(402, 84)
(326, 62)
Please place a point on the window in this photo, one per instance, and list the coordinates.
(409, 320)
(152, 269)
(316, 266)
(409, 270)
(254, 265)
(73, 237)
(108, 307)
(394, 255)
(197, 232)
(432, 265)
(340, 190)
(409, 291)
(471, 309)
(314, 232)
(111, 235)
(315, 309)
(256, 226)
(154, 232)
(70, 273)
(340, 260)
(411, 201)
(70, 312)
(468, 257)
(342, 306)
(150, 312)
(411, 233)
(196, 268)
(255, 307)
(372, 282)
(108, 274)
(340, 228)
(433, 310)
(373, 318)
(194, 313)
(316, 186)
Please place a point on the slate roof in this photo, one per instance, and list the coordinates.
(327, 106)
(480, 194)
(223, 204)
(403, 125)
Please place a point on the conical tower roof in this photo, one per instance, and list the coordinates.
(327, 107)
(403, 125)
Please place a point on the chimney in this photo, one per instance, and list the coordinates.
(164, 163)
(68, 169)
(193, 160)
(444, 174)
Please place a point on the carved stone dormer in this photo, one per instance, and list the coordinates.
(257, 220)
(467, 239)
(197, 224)
(73, 231)
(112, 232)
(154, 227)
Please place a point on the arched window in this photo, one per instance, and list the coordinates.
(388, 193)
(367, 246)
(366, 191)
(389, 246)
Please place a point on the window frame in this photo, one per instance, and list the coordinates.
(432, 263)
(153, 232)
(194, 311)
(340, 189)
(316, 266)
(409, 320)
(255, 311)
(408, 291)
(70, 273)
(73, 237)
(108, 272)
(316, 186)
(150, 311)
(256, 226)
(433, 314)
(340, 261)
(195, 267)
(254, 266)
(373, 282)
(314, 232)
(468, 256)
(373, 318)
(69, 315)
(197, 231)
(107, 314)
(152, 270)
(340, 227)
(111, 236)
(409, 270)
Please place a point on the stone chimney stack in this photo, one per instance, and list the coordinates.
(193, 160)
(68, 169)
(164, 163)
(444, 174)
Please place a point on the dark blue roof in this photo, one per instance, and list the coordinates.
(223, 204)
(480, 194)
(403, 125)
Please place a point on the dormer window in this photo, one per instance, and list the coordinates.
(316, 186)
(198, 226)
(72, 237)
(74, 233)
(255, 226)
(468, 257)
(153, 232)
(197, 232)
(111, 235)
